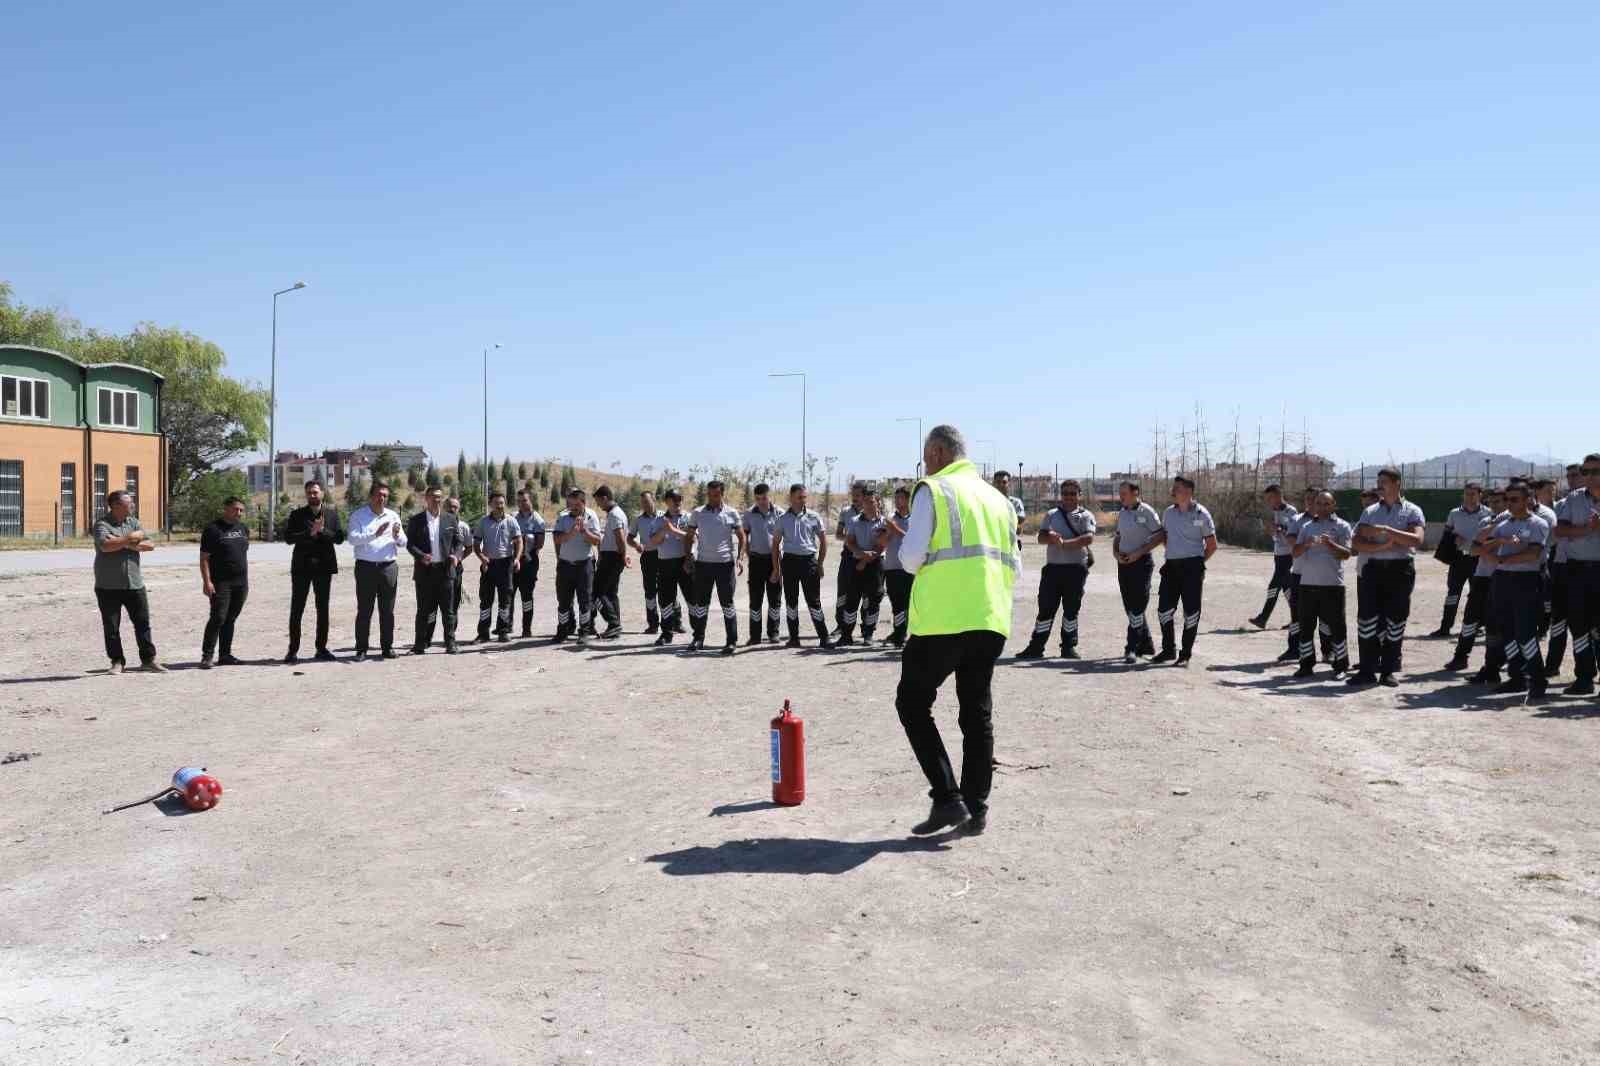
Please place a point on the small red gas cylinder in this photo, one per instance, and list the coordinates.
(788, 759)
(200, 791)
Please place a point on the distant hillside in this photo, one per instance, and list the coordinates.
(1469, 462)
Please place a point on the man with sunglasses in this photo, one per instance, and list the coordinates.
(1067, 534)
(1390, 531)
(1518, 540)
(1580, 530)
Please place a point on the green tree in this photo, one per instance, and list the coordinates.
(449, 480)
(461, 467)
(555, 494)
(431, 478)
(472, 502)
(203, 501)
(522, 473)
(384, 468)
(355, 490)
(505, 472)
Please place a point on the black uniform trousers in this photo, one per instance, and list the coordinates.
(527, 579)
(672, 577)
(924, 666)
(1456, 579)
(1133, 581)
(376, 584)
(1185, 580)
(574, 580)
(1381, 613)
(1322, 607)
(649, 563)
(495, 581)
(607, 587)
(800, 574)
(112, 603)
(301, 587)
(706, 577)
(1278, 584)
(1475, 616)
(1558, 617)
(1583, 614)
(898, 584)
(863, 597)
(1060, 586)
(841, 587)
(227, 600)
(1293, 588)
(761, 587)
(1518, 599)
(436, 596)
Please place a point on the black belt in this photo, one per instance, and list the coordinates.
(370, 562)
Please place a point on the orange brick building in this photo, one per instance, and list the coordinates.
(72, 432)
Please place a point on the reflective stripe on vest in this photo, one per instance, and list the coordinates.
(958, 550)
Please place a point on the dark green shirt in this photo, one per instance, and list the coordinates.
(116, 569)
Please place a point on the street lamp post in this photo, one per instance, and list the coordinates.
(272, 419)
(916, 469)
(801, 375)
(486, 427)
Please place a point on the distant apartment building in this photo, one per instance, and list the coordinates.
(295, 470)
(1296, 469)
(70, 433)
(405, 456)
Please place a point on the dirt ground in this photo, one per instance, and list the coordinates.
(539, 855)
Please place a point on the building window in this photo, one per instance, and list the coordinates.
(25, 398)
(101, 477)
(133, 491)
(69, 498)
(119, 407)
(10, 497)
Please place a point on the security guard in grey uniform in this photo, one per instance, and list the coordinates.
(531, 522)
(577, 534)
(1558, 579)
(1301, 517)
(1580, 528)
(1519, 540)
(896, 578)
(670, 538)
(801, 547)
(1190, 536)
(498, 546)
(643, 533)
(1461, 525)
(1279, 517)
(1390, 531)
(869, 535)
(613, 562)
(1469, 527)
(717, 543)
(759, 522)
(1068, 535)
(841, 583)
(1137, 525)
(1321, 547)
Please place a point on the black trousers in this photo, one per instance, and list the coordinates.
(924, 666)
(1322, 608)
(227, 600)
(607, 587)
(899, 583)
(1475, 616)
(1583, 614)
(1277, 584)
(761, 587)
(496, 581)
(1185, 580)
(863, 597)
(706, 577)
(1382, 608)
(841, 587)
(1518, 600)
(436, 596)
(376, 584)
(301, 587)
(800, 574)
(649, 564)
(112, 603)
(1558, 616)
(672, 577)
(1060, 586)
(526, 579)
(1455, 580)
(573, 581)
(1133, 581)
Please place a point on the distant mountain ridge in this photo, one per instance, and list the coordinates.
(1470, 462)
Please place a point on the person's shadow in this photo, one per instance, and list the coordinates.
(787, 855)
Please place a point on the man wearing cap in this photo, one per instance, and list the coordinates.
(1137, 526)
(498, 546)
(1068, 535)
(1580, 529)
(1390, 531)
(717, 543)
(640, 537)
(759, 523)
(613, 561)
(801, 547)
(576, 534)
(1280, 516)
(1190, 537)
(531, 524)
(670, 540)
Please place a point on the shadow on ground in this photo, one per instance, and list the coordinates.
(786, 855)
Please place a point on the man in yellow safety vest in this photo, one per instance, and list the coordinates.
(961, 545)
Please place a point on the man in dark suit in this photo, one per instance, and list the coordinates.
(313, 530)
(437, 542)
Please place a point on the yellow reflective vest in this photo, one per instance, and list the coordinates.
(965, 582)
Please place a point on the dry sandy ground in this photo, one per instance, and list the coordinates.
(541, 855)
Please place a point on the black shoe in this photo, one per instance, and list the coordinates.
(1581, 687)
(652, 629)
(1130, 658)
(943, 816)
(846, 641)
(753, 642)
(228, 660)
(1510, 685)
(825, 644)
(1032, 651)
(205, 662)
(1184, 658)
(451, 649)
(527, 632)
(664, 638)
(976, 824)
(325, 656)
(1288, 657)
(1259, 622)
(1306, 670)
(1146, 650)
(1537, 689)
(417, 649)
(792, 642)
(1458, 662)
(729, 649)
(611, 633)
(1486, 676)
(481, 638)
(1389, 681)
(583, 640)
(361, 657)
(1552, 671)
(773, 638)
(1441, 632)
(291, 659)
(1069, 652)
(1361, 677)
(1165, 655)
(503, 638)
(388, 653)
(696, 644)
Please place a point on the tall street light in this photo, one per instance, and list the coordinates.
(272, 418)
(486, 427)
(801, 375)
(916, 469)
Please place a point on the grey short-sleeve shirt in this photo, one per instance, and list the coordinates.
(1580, 506)
(1404, 515)
(616, 522)
(671, 547)
(645, 527)
(1294, 526)
(714, 539)
(760, 527)
(1530, 530)
(891, 552)
(118, 569)
(576, 550)
(1070, 526)
(532, 525)
(498, 537)
(1318, 565)
(1465, 524)
(1283, 521)
(1135, 526)
(801, 532)
(1560, 554)
(864, 533)
(1187, 531)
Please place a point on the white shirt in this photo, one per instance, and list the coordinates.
(433, 537)
(919, 531)
(369, 545)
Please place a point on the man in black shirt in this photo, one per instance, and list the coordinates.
(313, 530)
(225, 578)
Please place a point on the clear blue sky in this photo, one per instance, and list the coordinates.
(1052, 225)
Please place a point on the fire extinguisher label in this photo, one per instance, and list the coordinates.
(777, 756)
(187, 774)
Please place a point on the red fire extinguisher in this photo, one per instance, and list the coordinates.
(200, 791)
(788, 759)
